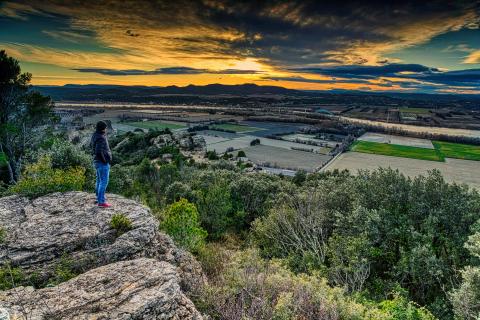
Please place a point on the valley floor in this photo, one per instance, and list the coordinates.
(453, 170)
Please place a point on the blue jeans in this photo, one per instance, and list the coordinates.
(103, 171)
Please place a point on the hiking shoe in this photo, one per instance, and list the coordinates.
(104, 205)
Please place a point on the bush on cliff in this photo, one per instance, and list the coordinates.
(40, 178)
(65, 155)
(11, 277)
(121, 223)
(180, 221)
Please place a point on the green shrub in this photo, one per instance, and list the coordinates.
(11, 277)
(300, 177)
(121, 179)
(64, 155)
(178, 190)
(40, 178)
(227, 156)
(121, 223)
(223, 165)
(255, 142)
(215, 208)
(180, 221)
(213, 257)
(466, 297)
(64, 271)
(399, 308)
(3, 235)
(153, 152)
(241, 154)
(349, 261)
(261, 289)
(3, 159)
(211, 155)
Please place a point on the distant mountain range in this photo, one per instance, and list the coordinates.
(118, 93)
(109, 92)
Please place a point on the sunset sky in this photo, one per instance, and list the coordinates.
(417, 46)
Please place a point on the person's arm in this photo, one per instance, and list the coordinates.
(99, 149)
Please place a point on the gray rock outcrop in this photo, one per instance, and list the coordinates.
(39, 233)
(134, 289)
(162, 140)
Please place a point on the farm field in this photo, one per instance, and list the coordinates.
(214, 139)
(221, 143)
(415, 110)
(414, 128)
(453, 170)
(458, 151)
(399, 140)
(155, 124)
(271, 128)
(289, 145)
(400, 146)
(121, 127)
(215, 133)
(308, 137)
(289, 159)
(235, 127)
(396, 150)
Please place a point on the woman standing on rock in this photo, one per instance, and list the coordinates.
(102, 156)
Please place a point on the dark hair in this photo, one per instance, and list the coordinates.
(101, 125)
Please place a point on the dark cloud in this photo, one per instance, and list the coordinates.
(351, 32)
(469, 77)
(169, 70)
(352, 74)
(282, 33)
(359, 71)
(307, 80)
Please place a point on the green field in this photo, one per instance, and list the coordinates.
(414, 110)
(235, 127)
(155, 124)
(396, 150)
(457, 150)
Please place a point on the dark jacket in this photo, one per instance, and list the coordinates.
(100, 148)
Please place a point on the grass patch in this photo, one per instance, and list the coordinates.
(121, 223)
(415, 110)
(395, 150)
(155, 124)
(458, 150)
(235, 127)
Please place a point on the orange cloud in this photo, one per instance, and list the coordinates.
(473, 57)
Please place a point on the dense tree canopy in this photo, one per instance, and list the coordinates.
(23, 114)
